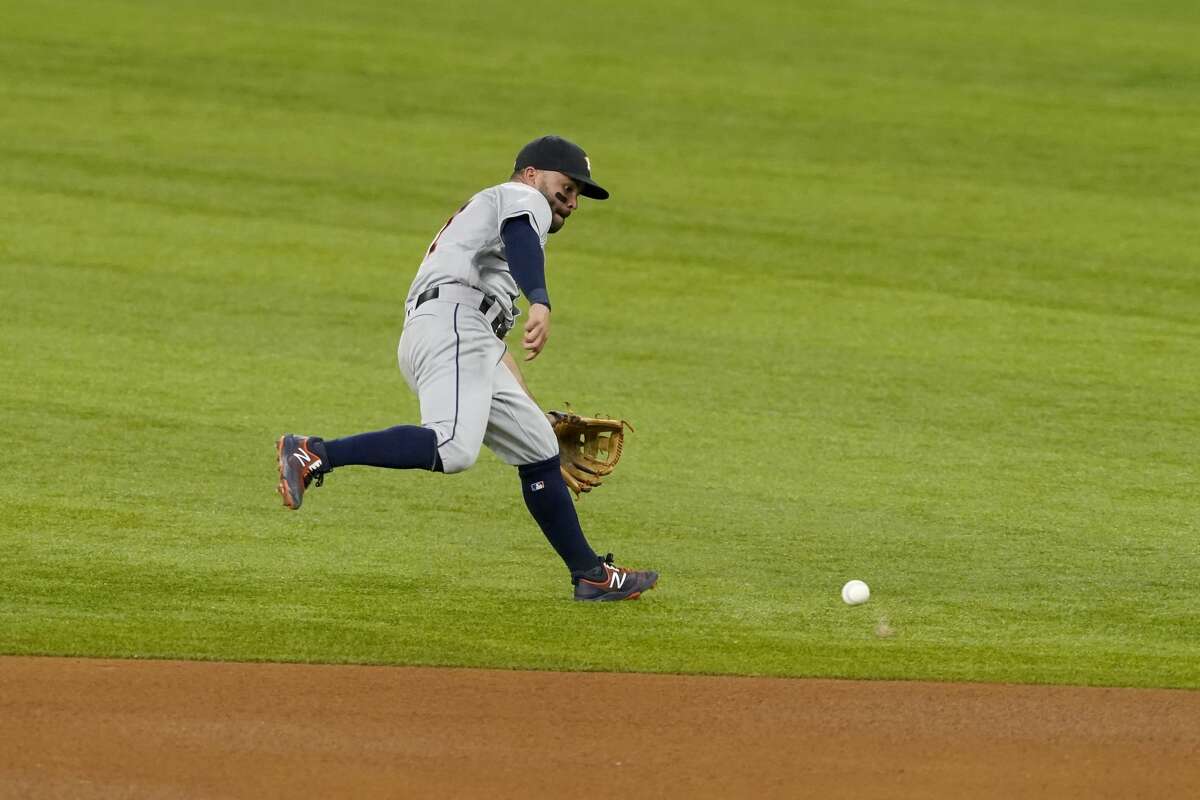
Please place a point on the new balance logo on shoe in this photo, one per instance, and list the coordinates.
(303, 456)
(616, 579)
(306, 460)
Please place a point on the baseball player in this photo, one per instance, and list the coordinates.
(452, 354)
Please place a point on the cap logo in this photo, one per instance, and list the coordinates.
(589, 164)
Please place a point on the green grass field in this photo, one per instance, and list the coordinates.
(899, 291)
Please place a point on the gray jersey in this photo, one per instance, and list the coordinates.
(469, 251)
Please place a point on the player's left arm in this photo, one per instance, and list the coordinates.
(527, 263)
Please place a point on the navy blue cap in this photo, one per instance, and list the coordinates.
(557, 154)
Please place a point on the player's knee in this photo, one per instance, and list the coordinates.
(456, 457)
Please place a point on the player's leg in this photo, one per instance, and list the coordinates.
(519, 433)
(448, 360)
(303, 459)
(446, 357)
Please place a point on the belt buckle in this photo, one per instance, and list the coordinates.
(501, 325)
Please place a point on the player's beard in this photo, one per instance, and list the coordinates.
(557, 218)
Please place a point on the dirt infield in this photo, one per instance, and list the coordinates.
(97, 728)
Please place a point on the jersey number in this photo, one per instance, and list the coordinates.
(433, 244)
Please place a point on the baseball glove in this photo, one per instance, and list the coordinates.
(588, 448)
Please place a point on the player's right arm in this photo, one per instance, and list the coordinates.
(537, 330)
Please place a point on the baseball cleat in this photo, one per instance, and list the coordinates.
(301, 460)
(606, 582)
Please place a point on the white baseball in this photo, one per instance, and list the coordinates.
(855, 593)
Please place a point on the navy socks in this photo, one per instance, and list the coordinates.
(549, 501)
(400, 447)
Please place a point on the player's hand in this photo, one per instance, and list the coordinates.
(537, 330)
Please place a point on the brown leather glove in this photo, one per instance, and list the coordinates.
(588, 448)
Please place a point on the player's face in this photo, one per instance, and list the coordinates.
(562, 193)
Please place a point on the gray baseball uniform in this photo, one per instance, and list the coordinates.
(450, 353)
(460, 306)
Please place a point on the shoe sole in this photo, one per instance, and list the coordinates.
(284, 490)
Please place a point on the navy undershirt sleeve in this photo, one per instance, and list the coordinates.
(526, 261)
